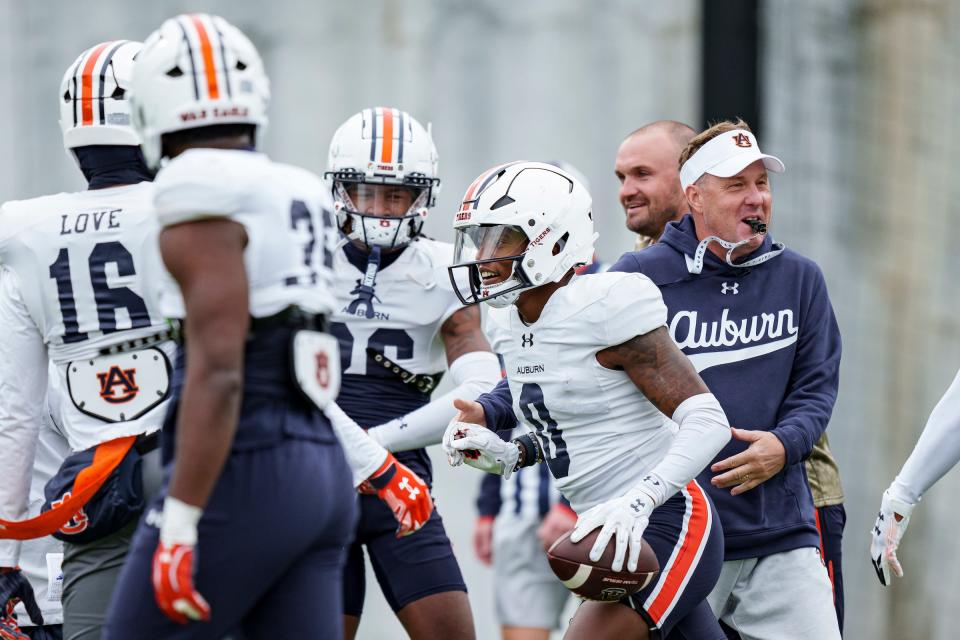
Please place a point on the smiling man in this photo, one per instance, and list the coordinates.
(646, 167)
(756, 321)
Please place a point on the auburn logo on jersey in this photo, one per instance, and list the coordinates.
(742, 140)
(77, 523)
(118, 385)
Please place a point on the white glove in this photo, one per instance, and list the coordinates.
(626, 517)
(454, 456)
(886, 534)
(483, 449)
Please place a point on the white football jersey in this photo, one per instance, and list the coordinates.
(80, 259)
(76, 267)
(287, 214)
(600, 434)
(413, 298)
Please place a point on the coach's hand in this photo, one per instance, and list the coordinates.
(402, 490)
(173, 564)
(557, 522)
(483, 539)
(885, 537)
(762, 460)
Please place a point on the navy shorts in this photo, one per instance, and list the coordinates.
(408, 568)
(270, 552)
(686, 537)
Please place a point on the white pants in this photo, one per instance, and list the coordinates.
(784, 596)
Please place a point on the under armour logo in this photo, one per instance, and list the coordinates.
(742, 140)
(637, 505)
(406, 486)
(527, 340)
(734, 288)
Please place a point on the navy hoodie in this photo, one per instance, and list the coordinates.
(766, 342)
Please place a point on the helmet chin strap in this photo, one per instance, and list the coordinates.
(701, 251)
(365, 289)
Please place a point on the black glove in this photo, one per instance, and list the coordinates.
(14, 588)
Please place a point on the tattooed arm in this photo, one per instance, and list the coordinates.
(667, 378)
(474, 370)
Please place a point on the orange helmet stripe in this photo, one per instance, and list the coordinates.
(206, 51)
(386, 152)
(86, 84)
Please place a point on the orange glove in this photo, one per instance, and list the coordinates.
(403, 492)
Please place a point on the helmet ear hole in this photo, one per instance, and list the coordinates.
(66, 96)
(561, 243)
(176, 72)
(240, 65)
(119, 93)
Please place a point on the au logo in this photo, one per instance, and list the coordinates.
(77, 523)
(118, 385)
(742, 140)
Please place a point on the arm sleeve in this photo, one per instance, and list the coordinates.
(814, 380)
(704, 430)
(364, 455)
(498, 407)
(488, 500)
(937, 450)
(472, 373)
(23, 383)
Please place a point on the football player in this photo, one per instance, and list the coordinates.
(591, 370)
(73, 295)
(936, 452)
(399, 326)
(258, 501)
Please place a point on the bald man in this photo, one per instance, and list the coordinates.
(649, 174)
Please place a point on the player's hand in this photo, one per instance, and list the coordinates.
(173, 564)
(483, 539)
(626, 518)
(483, 449)
(407, 496)
(467, 411)
(557, 522)
(14, 588)
(885, 537)
(762, 460)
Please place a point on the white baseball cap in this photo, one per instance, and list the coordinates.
(726, 155)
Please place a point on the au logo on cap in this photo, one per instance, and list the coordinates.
(742, 140)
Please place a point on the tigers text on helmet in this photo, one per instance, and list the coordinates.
(195, 71)
(94, 106)
(382, 167)
(532, 215)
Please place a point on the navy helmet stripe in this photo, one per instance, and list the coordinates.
(400, 138)
(103, 76)
(373, 135)
(223, 59)
(193, 64)
(76, 100)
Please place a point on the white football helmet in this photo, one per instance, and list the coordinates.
(94, 106)
(532, 214)
(382, 146)
(196, 70)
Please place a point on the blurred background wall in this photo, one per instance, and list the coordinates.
(858, 97)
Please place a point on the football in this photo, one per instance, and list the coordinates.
(596, 580)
